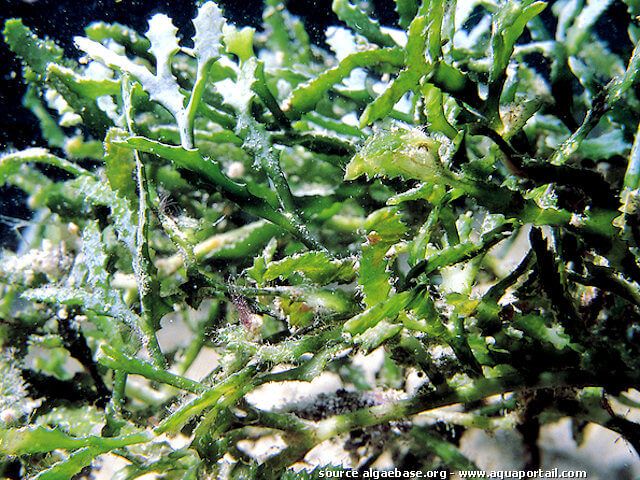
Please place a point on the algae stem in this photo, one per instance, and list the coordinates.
(144, 269)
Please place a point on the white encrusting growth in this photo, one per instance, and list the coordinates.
(207, 41)
(51, 260)
(164, 45)
(162, 86)
(209, 24)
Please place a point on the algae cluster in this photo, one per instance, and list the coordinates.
(455, 195)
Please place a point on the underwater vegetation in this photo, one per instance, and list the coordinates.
(457, 193)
